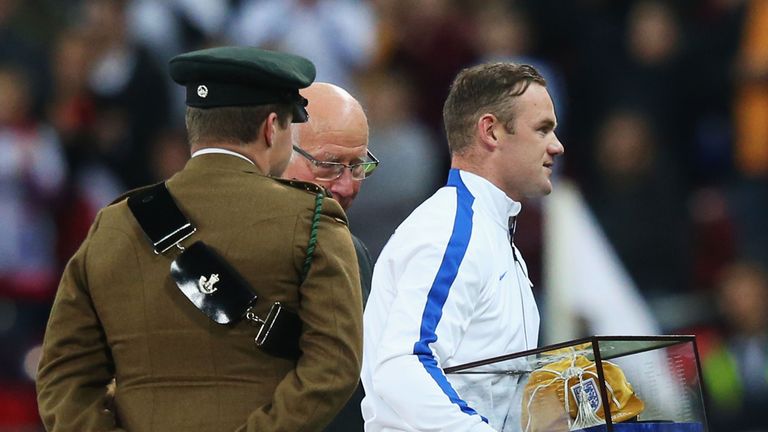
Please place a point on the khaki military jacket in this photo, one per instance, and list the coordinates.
(119, 314)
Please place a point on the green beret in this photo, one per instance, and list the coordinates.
(243, 76)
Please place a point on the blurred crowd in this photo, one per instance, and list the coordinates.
(662, 104)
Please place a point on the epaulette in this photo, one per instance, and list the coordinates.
(310, 187)
(129, 193)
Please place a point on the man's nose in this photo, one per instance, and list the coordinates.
(556, 148)
(344, 185)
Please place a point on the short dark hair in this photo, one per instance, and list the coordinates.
(485, 88)
(237, 125)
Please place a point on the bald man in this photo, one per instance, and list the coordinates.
(335, 135)
(332, 150)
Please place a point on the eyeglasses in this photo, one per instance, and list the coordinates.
(329, 171)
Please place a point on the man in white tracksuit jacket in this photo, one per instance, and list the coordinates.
(448, 288)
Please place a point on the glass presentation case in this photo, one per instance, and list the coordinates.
(651, 383)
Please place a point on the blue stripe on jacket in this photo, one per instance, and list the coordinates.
(438, 293)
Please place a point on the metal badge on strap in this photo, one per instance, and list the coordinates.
(211, 284)
(206, 278)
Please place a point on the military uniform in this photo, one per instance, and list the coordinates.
(118, 314)
(350, 419)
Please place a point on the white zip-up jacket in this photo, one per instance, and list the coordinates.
(447, 289)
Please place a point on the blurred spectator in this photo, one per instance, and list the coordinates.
(169, 27)
(713, 28)
(713, 237)
(410, 168)
(751, 106)
(32, 172)
(638, 48)
(585, 38)
(18, 48)
(735, 361)
(131, 94)
(337, 35)
(72, 109)
(433, 43)
(638, 201)
(654, 77)
(750, 194)
(506, 33)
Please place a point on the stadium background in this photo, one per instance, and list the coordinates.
(663, 110)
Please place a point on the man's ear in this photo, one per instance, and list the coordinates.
(270, 128)
(486, 130)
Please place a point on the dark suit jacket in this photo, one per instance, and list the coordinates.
(365, 265)
(119, 314)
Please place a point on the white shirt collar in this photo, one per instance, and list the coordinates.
(500, 206)
(213, 150)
